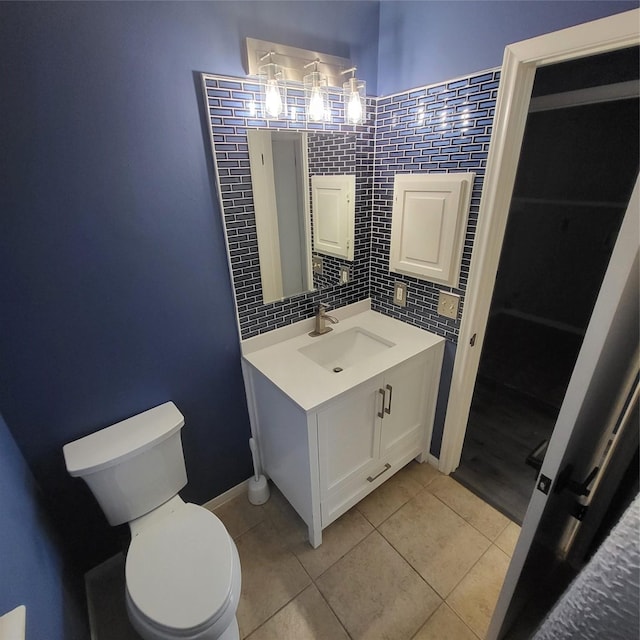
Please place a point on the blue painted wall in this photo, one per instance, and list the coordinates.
(34, 570)
(115, 288)
(115, 291)
(436, 40)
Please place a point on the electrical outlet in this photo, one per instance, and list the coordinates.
(400, 294)
(345, 275)
(448, 305)
(317, 264)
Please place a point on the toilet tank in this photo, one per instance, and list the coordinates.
(133, 466)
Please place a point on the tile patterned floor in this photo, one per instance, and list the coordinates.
(421, 558)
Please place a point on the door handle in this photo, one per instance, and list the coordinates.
(383, 393)
(565, 481)
(387, 409)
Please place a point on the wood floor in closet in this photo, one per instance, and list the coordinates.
(504, 428)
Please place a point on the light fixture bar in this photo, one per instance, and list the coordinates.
(292, 60)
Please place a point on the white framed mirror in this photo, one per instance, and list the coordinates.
(279, 172)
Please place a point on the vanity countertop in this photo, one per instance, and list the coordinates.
(310, 385)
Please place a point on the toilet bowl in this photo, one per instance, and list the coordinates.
(182, 575)
(182, 568)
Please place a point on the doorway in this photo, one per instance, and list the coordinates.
(577, 168)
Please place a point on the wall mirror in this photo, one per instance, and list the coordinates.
(293, 218)
(290, 226)
(279, 174)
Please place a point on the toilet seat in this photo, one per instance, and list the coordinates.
(181, 571)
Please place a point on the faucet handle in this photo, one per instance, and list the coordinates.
(323, 306)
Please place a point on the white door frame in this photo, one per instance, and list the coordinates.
(516, 82)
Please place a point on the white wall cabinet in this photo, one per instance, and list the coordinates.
(327, 459)
(429, 220)
(333, 214)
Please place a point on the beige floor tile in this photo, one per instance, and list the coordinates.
(307, 617)
(444, 624)
(508, 539)
(337, 540)
(292, 529)
(474, 599)
(271, 576)
(376, 594)
(239, 515)
(466, 504)
(389, 497)
(438, 543)
(423, 472)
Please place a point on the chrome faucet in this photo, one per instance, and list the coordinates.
(321, 317)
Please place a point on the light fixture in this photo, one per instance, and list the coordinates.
(317, 94)
(321, 76)
(272, 88)
(355, 104)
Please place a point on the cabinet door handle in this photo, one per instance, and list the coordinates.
(387, 466)
(383, 393)
(387, 409)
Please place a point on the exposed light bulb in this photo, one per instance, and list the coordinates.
(354, 97)
(272, 100)
(316, 105)
(354, 108)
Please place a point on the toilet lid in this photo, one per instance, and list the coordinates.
(179, 570)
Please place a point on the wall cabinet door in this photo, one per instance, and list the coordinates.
(333, 214)
(429, 220)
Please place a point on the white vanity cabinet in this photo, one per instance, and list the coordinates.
(368, 434)
(328, 439)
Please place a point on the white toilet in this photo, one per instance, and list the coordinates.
(182, 568)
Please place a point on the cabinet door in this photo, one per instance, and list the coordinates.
(408, 389)
(348, 447)
(333, 213)
(428, 225)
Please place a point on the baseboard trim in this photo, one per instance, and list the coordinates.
(228, 495)
(433, 461)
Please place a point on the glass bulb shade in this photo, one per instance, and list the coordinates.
(355, 104)
(317, 97)
(272, 90)
(316, 105)
(272, 99)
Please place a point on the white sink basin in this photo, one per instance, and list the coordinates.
(338, 351)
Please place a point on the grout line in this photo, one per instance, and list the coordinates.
(443, 600)
(455, 613)
(465, 519)
(331, 608)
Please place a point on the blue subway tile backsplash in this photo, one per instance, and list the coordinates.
(335, 148)
(448, 131)
(437, 129)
